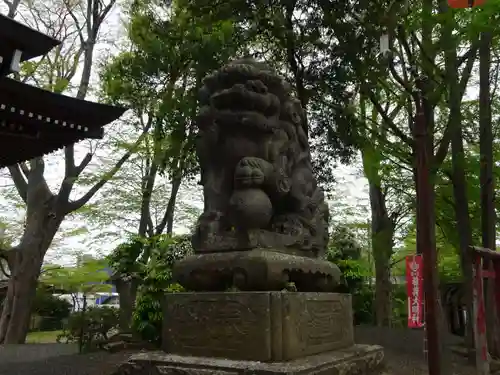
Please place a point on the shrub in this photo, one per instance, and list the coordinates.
(399, 306)
(362, 305)
(353, 275)
(95, 325)
(51, 310)
(345, 251)
(148, 316)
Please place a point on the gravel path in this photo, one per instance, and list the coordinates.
(403, 349)
(403, 354)
(34, 352)
(101, 363)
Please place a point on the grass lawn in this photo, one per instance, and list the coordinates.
(42, 337)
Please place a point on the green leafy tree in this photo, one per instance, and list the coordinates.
(88, 276)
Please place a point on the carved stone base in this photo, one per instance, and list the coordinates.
(255, 270)
(356, 360)
(257, 326)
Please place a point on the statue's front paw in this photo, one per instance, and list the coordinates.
(249, 173)
(288, 224)
(209, 222)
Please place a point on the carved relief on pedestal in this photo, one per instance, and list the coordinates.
(263, 326)
(218, 324)
(318, 322)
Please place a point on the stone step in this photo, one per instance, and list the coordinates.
(357, 360)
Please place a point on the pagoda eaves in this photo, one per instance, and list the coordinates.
(35, 122)
(19, 43)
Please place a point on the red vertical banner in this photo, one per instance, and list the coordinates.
(415, 289)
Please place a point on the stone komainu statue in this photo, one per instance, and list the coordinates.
(256, 166)
(260, 193)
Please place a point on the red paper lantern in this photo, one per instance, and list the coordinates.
(461, 4)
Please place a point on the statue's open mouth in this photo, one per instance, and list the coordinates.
(244, 119)
(248, 181)
(240, 98)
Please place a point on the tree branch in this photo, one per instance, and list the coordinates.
(466, 73)
(20, 181)
(75, 205)
(4, 255)
(86, 160)
(69, 161)
(387, 120)
(12, 7)
(77, 23)
(446, 139)
(71, 174)
(396, 262)
(105, 12)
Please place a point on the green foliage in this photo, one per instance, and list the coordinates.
(51, 309)
(345, 251)
(448, 254)
(399, 306)
(449, 265)
(147, 319)
(88, 276)
(445, 209)
(161, 75)
(296, 38)
(343, 244)
(364, 306)
(124, 259)
(95, 324)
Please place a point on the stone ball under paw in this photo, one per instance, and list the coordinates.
(250, 208)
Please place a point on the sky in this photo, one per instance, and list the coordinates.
(350, 190)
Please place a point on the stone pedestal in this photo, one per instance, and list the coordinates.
(260, 269)
(257, 326)
(257, 333)
(230, 333)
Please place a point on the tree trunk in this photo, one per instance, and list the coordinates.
(21, 290)
(45, 211)
(382, 241)
(127, 292)
(463, 222)
(459, 178)
(383, 288)
(488, 217)
(176, 184)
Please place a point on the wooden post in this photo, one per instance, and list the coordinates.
(426, 358)
(425, 344)
(426, 244)
(496, 270)
(479, 319)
